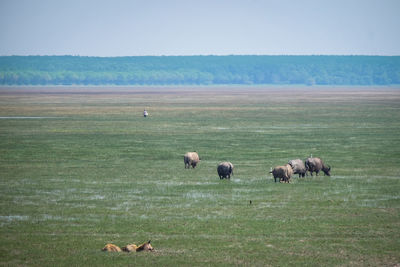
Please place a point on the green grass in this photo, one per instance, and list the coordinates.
(94, 171)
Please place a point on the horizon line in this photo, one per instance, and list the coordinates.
(199, 55)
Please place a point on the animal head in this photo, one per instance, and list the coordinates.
(327, 170)
(291, 163)
(145, 246)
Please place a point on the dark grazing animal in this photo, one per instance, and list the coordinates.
(191, 159)
(225, 170)
(284, 173)
(316, 165)
(298, 167)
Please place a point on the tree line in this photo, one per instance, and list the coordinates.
(199, 70)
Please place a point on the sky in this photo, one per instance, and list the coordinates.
(199, 27)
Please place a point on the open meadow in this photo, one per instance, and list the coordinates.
(81, 167)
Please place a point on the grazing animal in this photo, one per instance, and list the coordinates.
(111, 248)
(298, 167)
(284, 173)
(225, 170)
(316, 165)
(191, 159)
(143, 247)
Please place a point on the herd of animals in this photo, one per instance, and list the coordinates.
(283, 173)
(225, 171)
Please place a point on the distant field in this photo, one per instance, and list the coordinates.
(81, 167)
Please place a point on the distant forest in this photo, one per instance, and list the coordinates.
(199, 70)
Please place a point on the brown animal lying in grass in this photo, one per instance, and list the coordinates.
(111, 248)
(129, 248)
(133, 247)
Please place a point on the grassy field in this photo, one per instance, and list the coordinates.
(81, 167)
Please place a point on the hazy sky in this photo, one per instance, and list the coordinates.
(202, 27)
